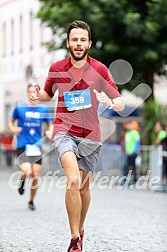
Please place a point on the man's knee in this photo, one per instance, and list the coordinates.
(36, 168)
(73, 182)
(26, 168)
(35, 175)
(85, 192)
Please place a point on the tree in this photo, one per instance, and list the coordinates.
(127, 29)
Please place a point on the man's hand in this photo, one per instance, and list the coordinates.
(117, 103)
(102, 98)
(16, 130)
(49, 132)
(35, 97)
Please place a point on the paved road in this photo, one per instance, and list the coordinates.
(118, 220)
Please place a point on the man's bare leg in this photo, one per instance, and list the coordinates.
(26, 169)
(72, 198)
(85, 196)
(26, 172)
(36, 168)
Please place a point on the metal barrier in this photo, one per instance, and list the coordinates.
(152, 159)
(149, 161)
(111, 160)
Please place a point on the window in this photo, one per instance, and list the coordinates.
(12, 37)
(31, 30)
(21, 34)
(4, 40)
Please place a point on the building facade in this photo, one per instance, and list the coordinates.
(23, 55)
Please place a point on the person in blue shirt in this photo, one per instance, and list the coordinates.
(28, 130)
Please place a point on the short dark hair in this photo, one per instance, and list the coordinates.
(79, 24)
(32, 85)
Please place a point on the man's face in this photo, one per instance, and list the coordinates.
(31, 91)
(78, 43)
(157, 127)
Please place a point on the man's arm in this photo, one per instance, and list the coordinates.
(115, 104)
(14, 129)
(44, 96)
(39, 96)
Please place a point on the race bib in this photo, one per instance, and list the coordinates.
(32, 150)
(77, 99)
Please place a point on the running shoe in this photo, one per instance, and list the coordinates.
(75, 245)
(21, 187)
(31, 205)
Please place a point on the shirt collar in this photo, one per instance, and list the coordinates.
(68, 64)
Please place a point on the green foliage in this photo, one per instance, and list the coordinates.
(153, 112)
(129, 30)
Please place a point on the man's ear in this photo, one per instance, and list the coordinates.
(90, 43)
(67, 43)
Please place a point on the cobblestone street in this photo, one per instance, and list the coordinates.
(118, 220)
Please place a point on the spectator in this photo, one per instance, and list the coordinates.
(163, 142)
(160, 133)
(6, 146)
(132, 143)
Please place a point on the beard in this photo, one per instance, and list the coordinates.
(77, 58)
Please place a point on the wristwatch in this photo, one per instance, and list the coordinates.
(111, 105)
